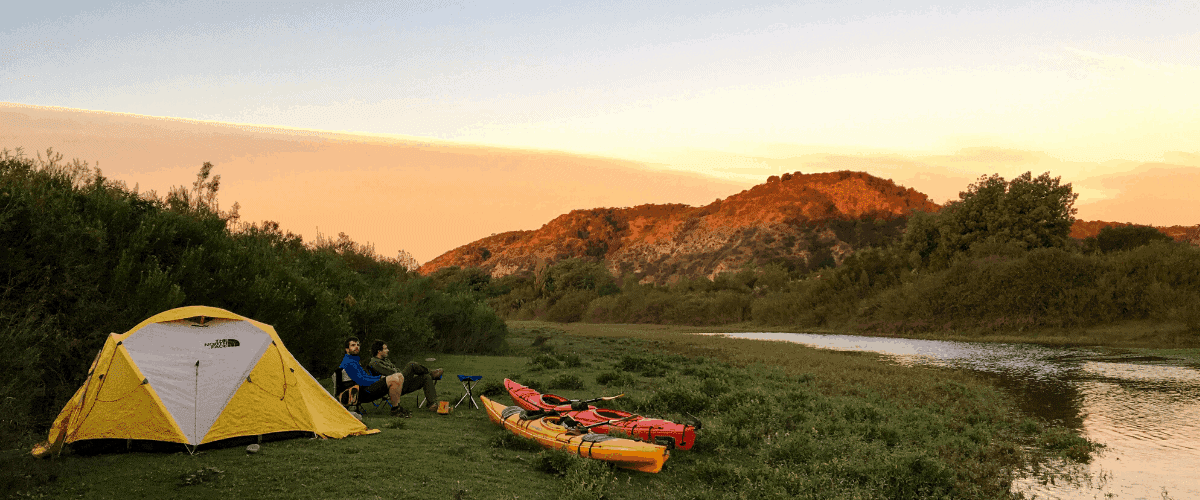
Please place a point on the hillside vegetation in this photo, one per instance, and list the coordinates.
(999, 259)
(84, 256)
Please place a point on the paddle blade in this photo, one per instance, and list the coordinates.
(605, 398)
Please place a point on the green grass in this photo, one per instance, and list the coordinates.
(780, 421)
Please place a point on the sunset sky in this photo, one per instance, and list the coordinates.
(1101, 93)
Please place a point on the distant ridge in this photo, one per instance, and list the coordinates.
(803, 220)
(799, 219)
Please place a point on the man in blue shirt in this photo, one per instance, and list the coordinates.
(372, 387)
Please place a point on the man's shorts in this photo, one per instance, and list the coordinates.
(375, 391)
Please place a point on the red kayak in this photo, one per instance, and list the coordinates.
(664, 432)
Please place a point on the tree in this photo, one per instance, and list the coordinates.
(1029, 212)
(580, 274)
(407, 260)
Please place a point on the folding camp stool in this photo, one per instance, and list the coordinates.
(468, 382)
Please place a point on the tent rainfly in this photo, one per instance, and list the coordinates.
(195, 375)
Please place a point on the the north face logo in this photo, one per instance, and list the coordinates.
(223, 343)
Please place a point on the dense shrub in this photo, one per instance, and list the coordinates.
(570, 307)
(617, 379)
(679, 399)
(571, 360)
(544, 361)
(493, 388)
(1115, 239)
(647, 366)
(567, 381)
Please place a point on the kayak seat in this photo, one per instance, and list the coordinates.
(609, 414)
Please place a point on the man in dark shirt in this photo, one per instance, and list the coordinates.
(372, 386)
(415, 375)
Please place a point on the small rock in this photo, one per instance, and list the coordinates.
(252, 449)
(357, 415)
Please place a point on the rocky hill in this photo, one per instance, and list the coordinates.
(799, 220)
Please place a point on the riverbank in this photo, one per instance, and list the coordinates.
(780, 421)
(1133, 338)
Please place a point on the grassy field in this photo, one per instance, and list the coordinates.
(780, 421)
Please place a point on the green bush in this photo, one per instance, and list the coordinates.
(571, 360)
(91, 256)
(581, 477)
(493, 388)
(776, 309)
(676, 399)
(567, 381)
(618, 379)
(647, 366)
(1068, 444)
(1190, 313)
(570, 307)
(556, 462)
(1121, 238)
(545, 361)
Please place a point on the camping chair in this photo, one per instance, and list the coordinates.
(348, 393)
(468, 382)
(382, 401)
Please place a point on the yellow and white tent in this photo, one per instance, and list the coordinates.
(195, 375)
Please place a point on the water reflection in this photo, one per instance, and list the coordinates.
(1145, 410)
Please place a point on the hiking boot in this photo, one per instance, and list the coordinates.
(436, 373)
(399, 411)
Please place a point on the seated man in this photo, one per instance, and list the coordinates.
(416, 376)
(371, 387)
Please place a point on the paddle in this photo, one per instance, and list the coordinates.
(573, 424)
(695, 421)
(613, 421)
(580, 405)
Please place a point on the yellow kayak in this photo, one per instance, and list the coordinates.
(548, 432)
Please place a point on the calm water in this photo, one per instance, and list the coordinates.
(1145, 410)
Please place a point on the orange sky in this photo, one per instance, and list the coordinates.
(419, 196)
(412, 125)
(427, 197)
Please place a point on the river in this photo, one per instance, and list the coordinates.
(1145, 410)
